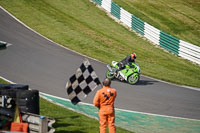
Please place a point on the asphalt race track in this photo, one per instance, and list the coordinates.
(43, 65)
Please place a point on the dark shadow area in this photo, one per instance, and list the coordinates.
(55, 125)
(66, 125)
(146, 82)
(74, 117)
(141, 82)
(62, 131)
(59, 124)
(3, 48)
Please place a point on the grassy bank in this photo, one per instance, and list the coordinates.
(180, 18)
(84, 28)
(68, 121)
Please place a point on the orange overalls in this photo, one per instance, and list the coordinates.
(104, 100)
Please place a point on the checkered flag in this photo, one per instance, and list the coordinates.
(82, 82)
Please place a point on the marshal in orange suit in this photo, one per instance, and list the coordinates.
(104, 100)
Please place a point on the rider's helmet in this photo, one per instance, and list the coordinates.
(133, 56)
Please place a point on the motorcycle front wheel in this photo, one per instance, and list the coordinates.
(133, 79)
(110, 74)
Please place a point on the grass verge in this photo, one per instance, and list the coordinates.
(68, 121)
(84, 28)
(180, 18)
(3, 81)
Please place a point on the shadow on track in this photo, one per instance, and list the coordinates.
(141, 82)
(146, 82)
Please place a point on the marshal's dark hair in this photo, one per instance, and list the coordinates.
(107, 82)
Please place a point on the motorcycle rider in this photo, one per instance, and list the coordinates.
(128, 60)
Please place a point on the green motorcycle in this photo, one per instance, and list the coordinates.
(130, 73)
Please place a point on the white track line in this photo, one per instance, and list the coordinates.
(8, 44)
(183, 86)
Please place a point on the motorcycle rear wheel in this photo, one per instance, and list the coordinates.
(133, 79)
(110, 75)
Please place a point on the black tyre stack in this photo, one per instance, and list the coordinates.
(27, 100)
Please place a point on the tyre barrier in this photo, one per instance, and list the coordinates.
(36, 123)
(12, 94)
(6, 114)
(7, 102)
(9, 94)
(28, 101)
(13, 86)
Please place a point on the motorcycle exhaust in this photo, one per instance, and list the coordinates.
(109, 68)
